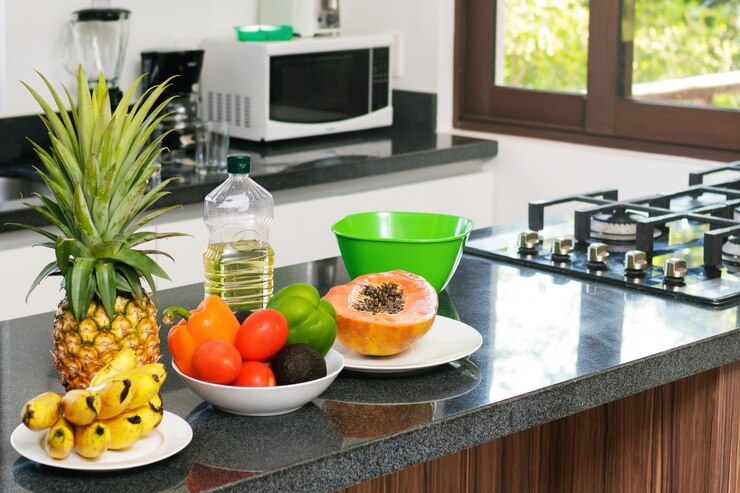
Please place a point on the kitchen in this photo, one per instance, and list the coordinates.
(502, 184)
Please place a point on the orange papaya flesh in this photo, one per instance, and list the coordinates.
(384, 313)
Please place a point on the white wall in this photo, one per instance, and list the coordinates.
(32, 30)
(415, 20)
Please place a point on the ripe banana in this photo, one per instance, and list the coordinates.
(42, 411)
(60, 439)
(124, 360)
(157, 369)
(115, 397)
(151, 414)
(92, 440)
(125, 429)
(81, 406)
(145, 382)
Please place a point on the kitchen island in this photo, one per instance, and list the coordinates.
(588, 387)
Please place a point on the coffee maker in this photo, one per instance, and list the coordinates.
(158, 66)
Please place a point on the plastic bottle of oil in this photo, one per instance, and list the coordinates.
(238, 263)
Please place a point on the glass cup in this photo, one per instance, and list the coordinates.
(211, 147)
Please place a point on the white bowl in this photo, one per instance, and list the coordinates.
(264, 401)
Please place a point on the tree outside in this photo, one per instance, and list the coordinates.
(675, 44)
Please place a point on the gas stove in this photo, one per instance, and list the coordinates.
(684, 244)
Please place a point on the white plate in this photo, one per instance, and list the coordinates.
(446, 341)
(171, 436)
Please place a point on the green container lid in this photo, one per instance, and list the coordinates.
(238, 163)
(263, 32)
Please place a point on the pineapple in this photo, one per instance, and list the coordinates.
(97, 169)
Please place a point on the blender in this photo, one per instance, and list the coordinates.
(97, 38)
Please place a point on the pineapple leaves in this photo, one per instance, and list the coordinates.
(105, 274)
(85, 118)
(158, 252)
(43, 211)
(107, 249)
(36, 229)
(48, 269)
(141, 262)
(97, 169)
(52, 121)
(68, 136)
(145, 236)
(153, 215)
(63, 250)
(83, 219)
(132, 279)
(79, 287)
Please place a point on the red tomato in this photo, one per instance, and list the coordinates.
(216, 361)
(255, 374)
(262, 335)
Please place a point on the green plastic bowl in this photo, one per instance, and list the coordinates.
(429, 245)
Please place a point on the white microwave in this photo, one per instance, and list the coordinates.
(278, 90)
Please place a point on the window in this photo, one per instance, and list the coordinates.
(654, 75)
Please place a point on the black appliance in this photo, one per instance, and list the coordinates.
(684, 244)
(158, 66)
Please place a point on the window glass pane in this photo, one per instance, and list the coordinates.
(682, 51)
(542, 44)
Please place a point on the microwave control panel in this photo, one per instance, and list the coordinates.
(381, 76)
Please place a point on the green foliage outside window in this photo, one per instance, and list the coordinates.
(546, 42)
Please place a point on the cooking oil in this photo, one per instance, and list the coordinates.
(238, 263)
(240, 273)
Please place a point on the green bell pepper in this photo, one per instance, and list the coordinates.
(311, 320)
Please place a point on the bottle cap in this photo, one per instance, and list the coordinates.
(238, 163)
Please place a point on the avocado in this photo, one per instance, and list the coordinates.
(242, 315)
(297, 363)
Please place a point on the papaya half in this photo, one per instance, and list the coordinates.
(385, 313)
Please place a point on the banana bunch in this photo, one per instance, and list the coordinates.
(121, 405)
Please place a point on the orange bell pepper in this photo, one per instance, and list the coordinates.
(212, 319)
(182, 345)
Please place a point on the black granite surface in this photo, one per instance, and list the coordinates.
(552, 346)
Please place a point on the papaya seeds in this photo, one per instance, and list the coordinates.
(297, 363)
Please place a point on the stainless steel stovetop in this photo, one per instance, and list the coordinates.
(683, 244)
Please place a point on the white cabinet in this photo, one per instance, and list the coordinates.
(301, 231)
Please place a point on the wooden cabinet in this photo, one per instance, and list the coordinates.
(683, 437)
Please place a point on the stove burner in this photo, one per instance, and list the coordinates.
(619, 226)
(731, 250)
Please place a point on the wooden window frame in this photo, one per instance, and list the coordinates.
(602, 118)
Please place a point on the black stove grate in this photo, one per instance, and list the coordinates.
(691, 224)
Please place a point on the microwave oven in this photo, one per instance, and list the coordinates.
(276, 90)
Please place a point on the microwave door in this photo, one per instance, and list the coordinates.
(320, 87)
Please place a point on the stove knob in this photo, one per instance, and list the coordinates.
(527, 242)
(675, 271)
(596, 256)
(561, 248)
(635, 263)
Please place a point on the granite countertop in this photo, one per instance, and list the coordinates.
(552, 346)
(294, 164)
